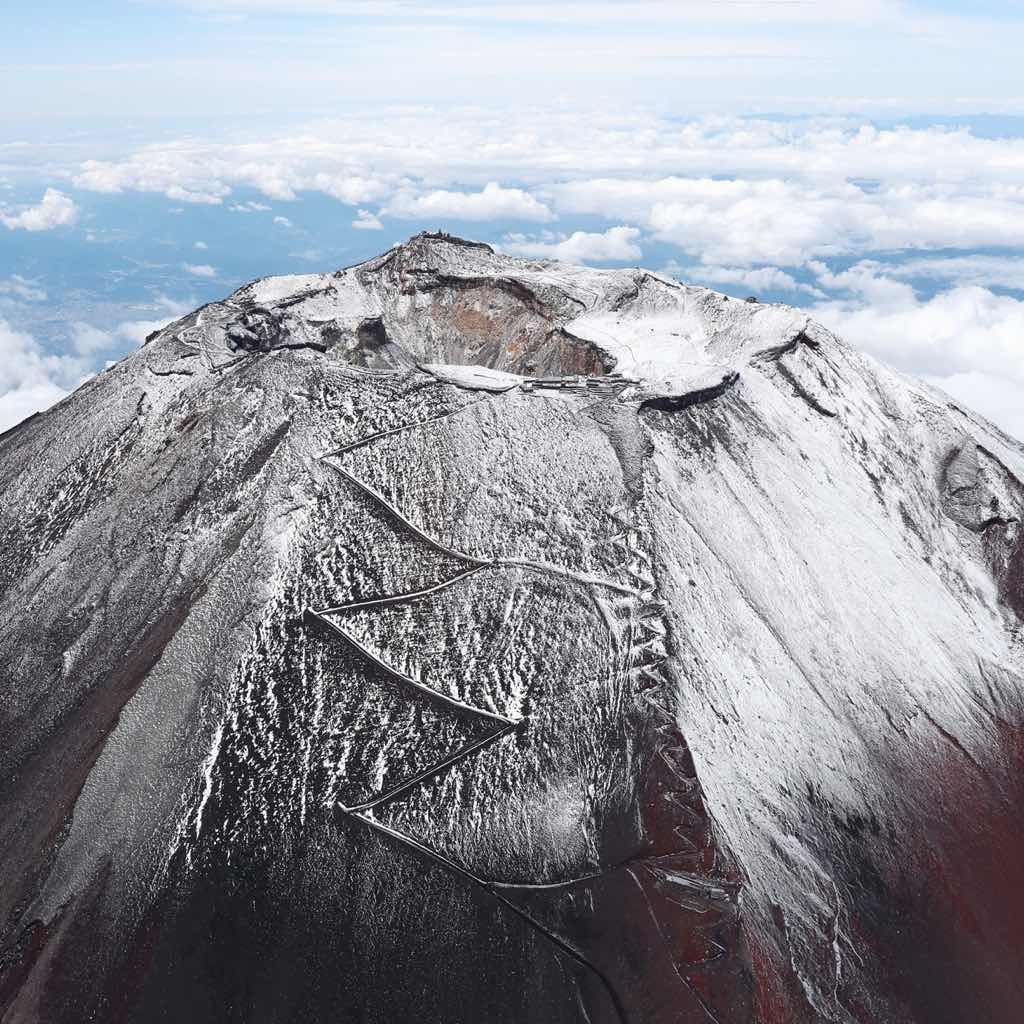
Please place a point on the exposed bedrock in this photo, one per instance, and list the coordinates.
(455, 638)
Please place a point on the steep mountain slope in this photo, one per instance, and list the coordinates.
(457, 638)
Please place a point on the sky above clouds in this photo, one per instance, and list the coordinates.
(863, 160)
(308, 57)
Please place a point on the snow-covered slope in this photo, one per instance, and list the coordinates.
(460, 638)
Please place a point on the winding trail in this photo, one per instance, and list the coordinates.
(523, 563)
(434, 770)
(507, 726)
(452, 703)
(396, 514)
(560, 944)
(370, 438)
(381, 602)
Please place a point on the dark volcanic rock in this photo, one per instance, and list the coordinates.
(348, 675)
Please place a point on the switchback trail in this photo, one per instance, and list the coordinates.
(361, 812)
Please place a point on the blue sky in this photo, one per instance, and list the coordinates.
(862, 159)
(153, 60)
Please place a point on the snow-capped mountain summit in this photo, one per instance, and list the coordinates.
(457, 638)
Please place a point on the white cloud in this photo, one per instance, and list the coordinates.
(201, 270)
(998, 399)
(785, 222)
(347, 188)
(138, 330)
(364, 158)
(756, 279)
(32, 379)
(176, 307)
(761, 279)
(154, 169)
(249, 207)
(211, 197)
(283, 222)
(617, 243)
(87, 340)
(959, 338)
(367, 221)
(976, 268)
(201, 245)
(493, 203)
(727, 191)
(205, 171)
(55, 210)
(97, 176)
(21, 288)
(965, 328)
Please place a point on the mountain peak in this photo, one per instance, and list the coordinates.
(629, 651)
(441, 299)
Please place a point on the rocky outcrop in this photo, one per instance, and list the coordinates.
(459, 638)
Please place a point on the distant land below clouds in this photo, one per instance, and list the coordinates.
(905, 236)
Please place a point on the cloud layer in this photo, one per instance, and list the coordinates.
(615, 245)
(53, 211)
(966, 339)
(200, 270)
(492, 203)
(32, 379)
(20, 289)
(29, 379)
(726, 191)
